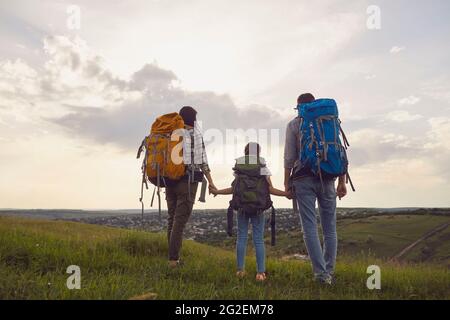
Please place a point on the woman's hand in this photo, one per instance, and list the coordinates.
(213, 190)
(212, 187)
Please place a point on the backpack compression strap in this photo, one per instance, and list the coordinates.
(230, 214)
(272, 228)
(144, 172)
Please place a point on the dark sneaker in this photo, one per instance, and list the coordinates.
(333, 278)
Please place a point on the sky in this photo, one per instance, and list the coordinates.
(82, 81)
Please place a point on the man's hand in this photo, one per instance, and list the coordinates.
(341, 190)
(287, 185)
(288, 191)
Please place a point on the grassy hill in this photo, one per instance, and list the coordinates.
(120, 264)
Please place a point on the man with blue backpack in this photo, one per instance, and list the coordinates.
(314, 157)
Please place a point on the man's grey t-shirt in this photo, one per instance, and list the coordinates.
(292, 144)
(292, 149)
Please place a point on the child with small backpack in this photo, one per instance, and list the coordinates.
(251, 190)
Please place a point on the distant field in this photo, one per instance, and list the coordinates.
(385, 236)
(120, 264)
(86, 214)
(378, 236)
(67, 214)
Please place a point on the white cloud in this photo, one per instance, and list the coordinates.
(402, 116)
(396, 49)
(439, 135)
(78, 93)
(78, 76)
(437, 147)
(410, 100)
(422, 158)
(71, 76)
(259, 53)
(399, 140)
(372, 145)
(257, 43)
(437, 89)
(16, 77)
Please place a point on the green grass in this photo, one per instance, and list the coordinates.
(120, 264)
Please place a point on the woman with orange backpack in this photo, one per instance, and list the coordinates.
(178, 170)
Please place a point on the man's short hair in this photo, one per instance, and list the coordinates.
(305, 98)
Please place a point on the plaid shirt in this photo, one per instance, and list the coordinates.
(194, 152)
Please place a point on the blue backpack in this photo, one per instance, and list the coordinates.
(321, 150)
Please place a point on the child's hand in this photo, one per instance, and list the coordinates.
(288, 194)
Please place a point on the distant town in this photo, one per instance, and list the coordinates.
(204, 225)
(211, 225)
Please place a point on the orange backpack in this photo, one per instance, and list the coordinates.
(163, 161)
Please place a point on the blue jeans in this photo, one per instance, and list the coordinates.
(257, 221)
(307, 191)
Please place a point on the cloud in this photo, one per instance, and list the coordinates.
(370, 76)
(411, 100)
(396, 49)
(402, 116)
(372, 151)
(75, 91)
(370, 145)
(127, 124)
(151, 77)
(84, 101)
(77, 75)
(437, 89)
(437, 146)
(439, 135)
(60, 96)
(71, 75)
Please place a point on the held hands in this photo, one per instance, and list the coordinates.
(213, 190)
(288, 191)
(288, 194)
